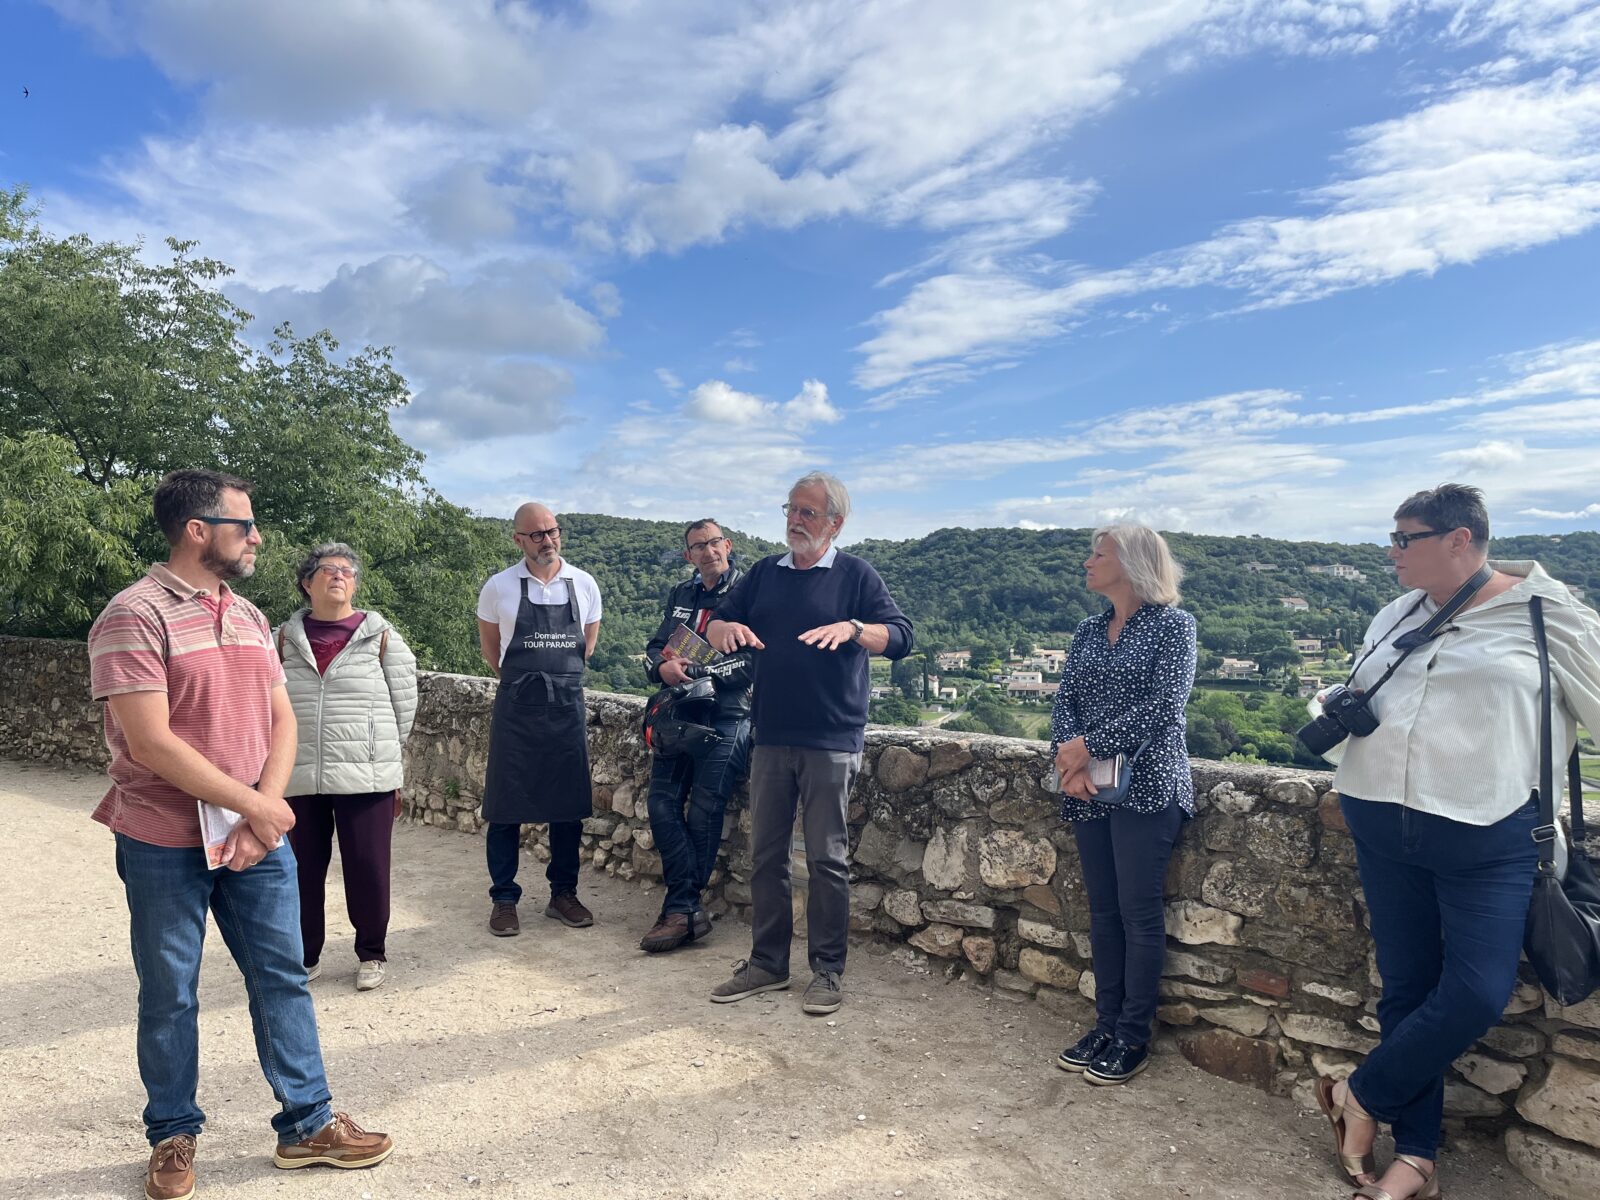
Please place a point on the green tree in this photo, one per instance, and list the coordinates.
(894, 710)
(63, 541)
(907, 675)
(115, 370)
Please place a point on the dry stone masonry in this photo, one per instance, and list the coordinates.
(961, 868)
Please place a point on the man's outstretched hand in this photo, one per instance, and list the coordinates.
(731, 636)
(829, 637)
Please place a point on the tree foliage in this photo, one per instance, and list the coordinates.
(115, 370)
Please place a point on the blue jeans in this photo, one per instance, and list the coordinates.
(1449, 902)
(258, 912)
(688, 841)
(1124, 858)
(502, 846)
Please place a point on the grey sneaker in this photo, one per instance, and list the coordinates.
(823, 995)
(747, 981)
(370, 974)
(313, 971)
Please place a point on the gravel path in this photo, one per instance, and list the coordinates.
(565, 1063)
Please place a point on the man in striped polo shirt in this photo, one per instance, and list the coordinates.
(196, 711)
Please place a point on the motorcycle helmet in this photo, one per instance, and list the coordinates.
(675, 719)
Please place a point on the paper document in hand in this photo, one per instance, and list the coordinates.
(686, 644)
(215, 826)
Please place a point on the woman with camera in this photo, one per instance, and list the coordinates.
(353, 683)
(1118, 732)
(1439, 733)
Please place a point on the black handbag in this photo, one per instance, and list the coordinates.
(1562, 938)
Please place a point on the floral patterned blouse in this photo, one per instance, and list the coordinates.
(1117, 696)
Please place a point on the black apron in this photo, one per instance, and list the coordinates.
(538, 738)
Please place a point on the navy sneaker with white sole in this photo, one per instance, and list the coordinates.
(1120, 1063)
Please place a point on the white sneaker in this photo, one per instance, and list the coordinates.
(313, 971)
(370, 974)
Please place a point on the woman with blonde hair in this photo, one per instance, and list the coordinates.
(1121, 704)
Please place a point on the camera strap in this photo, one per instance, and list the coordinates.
(1413, 639)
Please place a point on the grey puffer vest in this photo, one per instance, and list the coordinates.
(354, 720)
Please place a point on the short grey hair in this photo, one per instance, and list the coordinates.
(838, 497)
(1152, 572)
(308, 568)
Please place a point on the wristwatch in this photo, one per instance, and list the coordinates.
(859, 626)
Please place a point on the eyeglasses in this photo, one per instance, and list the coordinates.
(333, 572)
(805, 514)
(1400, 539)
(539, 535)
(245, 524)
(701, 547)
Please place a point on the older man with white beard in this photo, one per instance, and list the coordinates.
(815, 616)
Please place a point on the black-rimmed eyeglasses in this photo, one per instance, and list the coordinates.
(246, 524)
(1400, 539)
(702, 547)
(539, 535)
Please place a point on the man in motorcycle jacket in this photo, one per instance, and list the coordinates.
(689, 791)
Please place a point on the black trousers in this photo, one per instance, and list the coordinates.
(503, 845)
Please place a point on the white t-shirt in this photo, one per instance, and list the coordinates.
(501, 595)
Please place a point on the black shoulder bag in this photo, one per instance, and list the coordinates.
(1562, 938)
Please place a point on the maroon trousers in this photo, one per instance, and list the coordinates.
(365, 825)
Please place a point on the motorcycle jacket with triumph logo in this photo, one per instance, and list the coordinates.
(689, 603)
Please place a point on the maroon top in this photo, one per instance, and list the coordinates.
(327, 638)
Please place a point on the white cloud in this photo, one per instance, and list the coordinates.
(461, 207)
(308, 59)
(607, 299)
(1588, 512)
(716, 402)
(1493, 453)
(669, 379)
(1570, 418)
(480, 402)
(505, 307)
(719, 404)
(427, 172)
(811, 406)
(1485, 171)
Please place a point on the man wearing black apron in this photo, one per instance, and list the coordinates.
(537, 624)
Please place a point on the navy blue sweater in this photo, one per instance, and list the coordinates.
(805, 696)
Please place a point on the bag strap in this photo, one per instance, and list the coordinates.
(1545, 832)
(1575, 796)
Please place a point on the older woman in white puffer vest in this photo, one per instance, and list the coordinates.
(353, 683)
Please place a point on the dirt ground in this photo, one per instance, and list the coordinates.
(565, 1063)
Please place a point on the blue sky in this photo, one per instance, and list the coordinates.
(1239, 266)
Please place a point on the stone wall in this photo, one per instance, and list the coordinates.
(962, 868)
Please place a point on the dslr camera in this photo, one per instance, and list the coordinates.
(1344, 714)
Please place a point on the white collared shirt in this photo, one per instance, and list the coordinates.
(502, 594)
(1458, 731)
(825, 561)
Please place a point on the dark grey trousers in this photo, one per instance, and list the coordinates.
(817, 782)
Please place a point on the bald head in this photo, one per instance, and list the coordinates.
(533, 515)
(537, 534)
